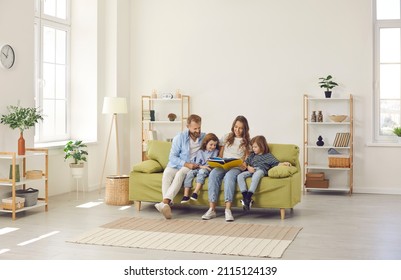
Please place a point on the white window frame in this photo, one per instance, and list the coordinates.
(379, 24)
(42, 20)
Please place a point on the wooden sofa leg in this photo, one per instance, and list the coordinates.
(282, 213)
(137, 205)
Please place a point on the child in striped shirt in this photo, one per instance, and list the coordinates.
(258, 164)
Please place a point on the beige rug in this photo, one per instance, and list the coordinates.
(213, 237)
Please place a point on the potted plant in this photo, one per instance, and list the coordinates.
(328, 84)
(21, 118)
(172, 117)
(76, 150)
(397, 131)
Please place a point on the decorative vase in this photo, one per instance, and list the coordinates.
(320, 141)
(327, 94)
(320, 117)
(152, 115)
(313, 117)
(21, 144)
(17, 174)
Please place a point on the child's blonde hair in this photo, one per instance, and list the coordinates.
(260, 140)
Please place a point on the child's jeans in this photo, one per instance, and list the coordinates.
(256, 177)
(200, 174)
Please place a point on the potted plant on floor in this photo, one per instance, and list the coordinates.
(21, 118)
(328, 84)
(76, 150)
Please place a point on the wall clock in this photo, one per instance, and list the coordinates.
(7, 56)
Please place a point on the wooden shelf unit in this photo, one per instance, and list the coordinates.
(11, 182)
(329, 129)
(179, 106)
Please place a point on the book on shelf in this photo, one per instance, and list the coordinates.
(342, 139)
(226, 163)
(146, 115)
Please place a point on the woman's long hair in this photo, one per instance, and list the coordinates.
(246, 139)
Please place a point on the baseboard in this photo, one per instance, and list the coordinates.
(379, 190)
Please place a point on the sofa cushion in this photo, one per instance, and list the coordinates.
(159, 151)
(282, 171)
(148, 166)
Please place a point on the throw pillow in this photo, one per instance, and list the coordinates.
(148, 166)
(159, 151)
(282, 171)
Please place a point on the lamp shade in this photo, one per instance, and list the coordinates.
(114, 105)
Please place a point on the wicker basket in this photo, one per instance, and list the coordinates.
(7, 203)
(117, 190)
(34, 174)
(339, 161)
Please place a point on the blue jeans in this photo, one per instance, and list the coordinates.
(200, 174)
(256, 177)
(230, 180)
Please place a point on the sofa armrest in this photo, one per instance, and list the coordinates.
(148, 166)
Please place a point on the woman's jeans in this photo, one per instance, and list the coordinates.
(230, 180)
(256, 177)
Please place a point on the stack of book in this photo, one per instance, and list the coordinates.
(342, 139)
(146, 115)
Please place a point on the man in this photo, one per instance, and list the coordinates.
(183, 151)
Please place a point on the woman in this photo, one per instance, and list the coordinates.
(235, 144)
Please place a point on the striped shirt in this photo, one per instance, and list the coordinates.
(263, 162)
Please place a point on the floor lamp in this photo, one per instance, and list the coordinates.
(115, 106)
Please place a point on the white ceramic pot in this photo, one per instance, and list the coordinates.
(77, 170)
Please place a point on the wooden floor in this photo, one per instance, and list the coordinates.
(335, 227)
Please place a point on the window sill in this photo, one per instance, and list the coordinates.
(59, 144)
(383, 144)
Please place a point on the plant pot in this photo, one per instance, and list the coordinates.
(399, 139)
(77, 170)
(327, 94)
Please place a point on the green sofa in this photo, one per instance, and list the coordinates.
(282, 189)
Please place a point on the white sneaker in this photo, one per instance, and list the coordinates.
(159, 206)
(164, 209)
(229, 215)
(210, 214)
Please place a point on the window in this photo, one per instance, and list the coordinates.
(52, 41)
(387, 68)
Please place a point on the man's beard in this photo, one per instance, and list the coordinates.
(194, 134)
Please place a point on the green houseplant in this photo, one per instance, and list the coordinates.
(76, 150)
(21, 118)
(328, 84)
(397, 131)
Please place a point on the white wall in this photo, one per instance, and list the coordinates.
(17, 83)
(258, 58)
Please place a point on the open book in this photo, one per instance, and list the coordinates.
(226, 163)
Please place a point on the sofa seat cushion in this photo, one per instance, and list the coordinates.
(148, 166)
(282, 171)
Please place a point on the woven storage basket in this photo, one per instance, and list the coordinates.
(339, 161)
(34, 174)
(117, 190)
(7, 203)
